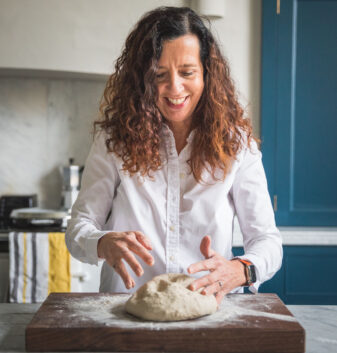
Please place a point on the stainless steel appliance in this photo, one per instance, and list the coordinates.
(38, 219)
(71, 176)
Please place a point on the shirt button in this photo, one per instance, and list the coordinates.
(171, 228)
(182, 175)
(172, 258)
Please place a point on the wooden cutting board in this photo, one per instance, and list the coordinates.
(98, 322)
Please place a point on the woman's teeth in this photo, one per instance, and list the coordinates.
(177, 101)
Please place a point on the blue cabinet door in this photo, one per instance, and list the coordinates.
(299, 110)
(307, 276)
(310, 275)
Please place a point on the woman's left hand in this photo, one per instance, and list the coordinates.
(224, 275)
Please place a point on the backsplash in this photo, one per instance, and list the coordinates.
(44, 122)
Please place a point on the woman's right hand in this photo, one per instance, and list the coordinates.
(117, 246)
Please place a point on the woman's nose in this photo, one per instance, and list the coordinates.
(175, 83)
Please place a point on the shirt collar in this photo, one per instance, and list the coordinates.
(166, 131)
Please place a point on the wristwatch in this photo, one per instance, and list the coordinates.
(249, 271)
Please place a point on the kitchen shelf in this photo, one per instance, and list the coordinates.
(51, 74)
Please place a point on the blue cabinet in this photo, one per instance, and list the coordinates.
(299, 109)
(307, 276)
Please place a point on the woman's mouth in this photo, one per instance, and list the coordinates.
(176, 103)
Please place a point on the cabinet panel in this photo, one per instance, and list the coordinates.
(82, 37)
(85, 277)
(310, 274)
(299, 125)
(307, 275)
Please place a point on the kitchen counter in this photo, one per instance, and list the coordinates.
(319, 322)
(297, 236)
(290, 235)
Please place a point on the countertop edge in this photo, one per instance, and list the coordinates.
(316, 236)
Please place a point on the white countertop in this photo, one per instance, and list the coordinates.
(297, 235)
(290, 235)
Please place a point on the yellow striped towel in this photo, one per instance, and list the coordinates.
(39, 263)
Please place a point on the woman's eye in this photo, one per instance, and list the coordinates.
(185, 74)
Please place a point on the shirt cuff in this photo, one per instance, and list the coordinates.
(91, 247)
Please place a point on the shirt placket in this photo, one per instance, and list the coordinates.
(173, 196)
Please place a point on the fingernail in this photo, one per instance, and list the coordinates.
(192, 287)
(203, 292)
(139, 272)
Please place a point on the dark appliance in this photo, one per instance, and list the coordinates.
(8, 203)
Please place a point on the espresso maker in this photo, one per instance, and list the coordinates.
(71, 183)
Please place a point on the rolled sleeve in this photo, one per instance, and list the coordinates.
(89, 212)
(261, 239)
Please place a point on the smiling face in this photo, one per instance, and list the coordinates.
(180, 81)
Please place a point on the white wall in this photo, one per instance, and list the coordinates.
(239, 34)
(44, 121)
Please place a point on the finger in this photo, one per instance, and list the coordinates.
(132, 261)
(204, 265)
(205, 247)
(138, 249)
(143, 239)
(213, 288)
(219, 296)
(204, 281)
(120, 268)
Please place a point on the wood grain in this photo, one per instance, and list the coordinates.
(55, 327)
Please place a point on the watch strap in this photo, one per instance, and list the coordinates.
(249, 271)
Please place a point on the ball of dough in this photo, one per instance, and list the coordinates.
(166, 298)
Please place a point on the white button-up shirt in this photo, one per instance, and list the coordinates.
(175, 212)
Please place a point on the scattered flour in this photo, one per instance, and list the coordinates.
(325, 340)
(109, 310)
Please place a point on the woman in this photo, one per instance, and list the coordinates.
(172, 162)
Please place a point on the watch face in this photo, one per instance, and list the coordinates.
(251, 274)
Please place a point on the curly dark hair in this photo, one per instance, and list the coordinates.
(129, 114)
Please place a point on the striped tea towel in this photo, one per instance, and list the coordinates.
(39, 263)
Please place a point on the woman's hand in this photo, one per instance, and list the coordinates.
(224, 275)
(117, 246)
